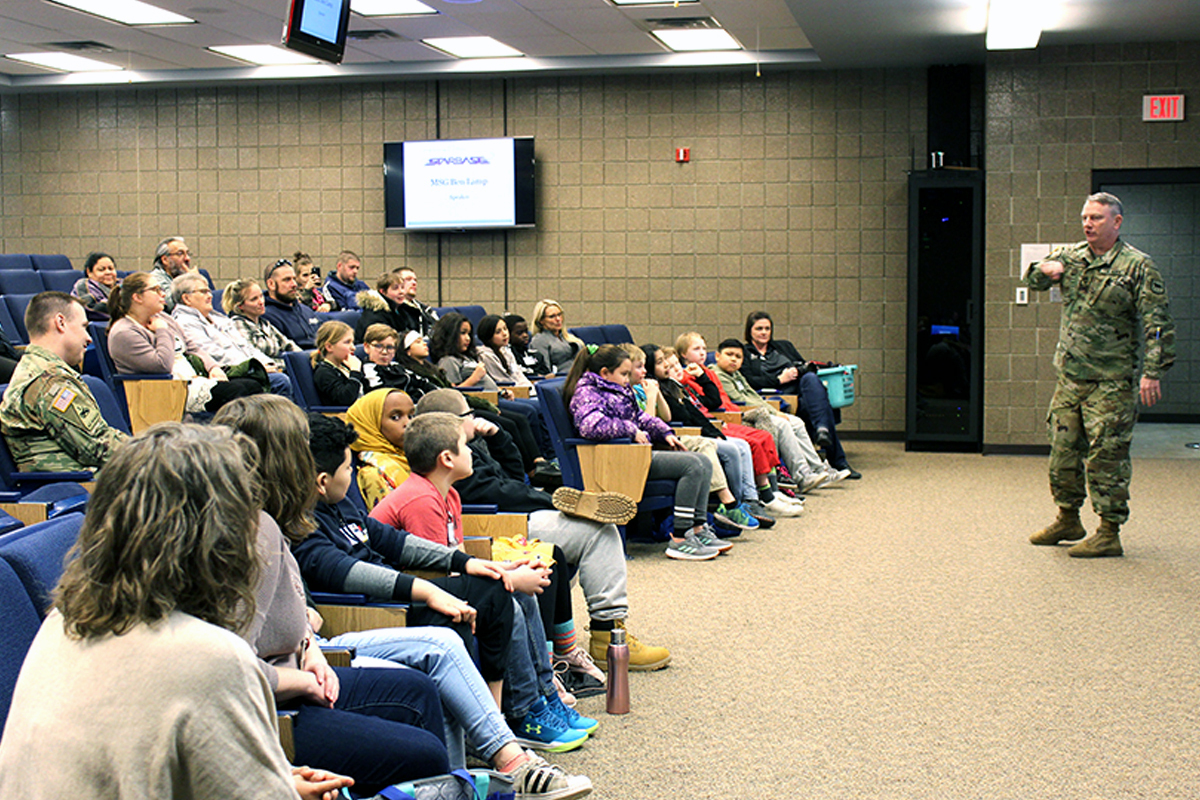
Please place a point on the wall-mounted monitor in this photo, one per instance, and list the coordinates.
(318, 28)
(459, 184)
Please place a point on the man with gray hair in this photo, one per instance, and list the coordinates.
(171, 259)
(1110, 289)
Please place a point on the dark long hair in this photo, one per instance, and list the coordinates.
(606, 356)
(487, 329)
(443, 339)
(754, 317)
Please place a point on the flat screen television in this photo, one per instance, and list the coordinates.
(317, 28)
(459, 184)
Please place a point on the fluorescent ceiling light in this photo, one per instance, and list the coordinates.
(390, 8)
(263, 54)
(1014, 24)
(696, 39)
(65, 62)
(128, 12)
(472, 47)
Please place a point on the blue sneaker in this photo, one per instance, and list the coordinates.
(543, 729)
(736, 516)
(574, 720)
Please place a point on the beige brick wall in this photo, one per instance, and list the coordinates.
(794, 199)
(1054, 115)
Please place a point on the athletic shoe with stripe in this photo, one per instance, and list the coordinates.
(691, 549)
(534, 779)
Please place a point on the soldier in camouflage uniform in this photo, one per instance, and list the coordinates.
(1109, 289)
(49, 418)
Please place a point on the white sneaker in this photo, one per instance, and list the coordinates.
(835, 475)
(813, 480)
(780, 507)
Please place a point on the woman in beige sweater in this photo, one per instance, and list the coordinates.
(137, 685)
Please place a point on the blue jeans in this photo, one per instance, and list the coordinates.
(738, 464)
(385, 728)
(529, 675)
(281, 384)
(440, 654)
(816, 411)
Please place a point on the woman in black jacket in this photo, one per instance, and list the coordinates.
(776, 364)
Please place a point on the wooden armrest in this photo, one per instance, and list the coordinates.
(492, 526)
(337, 656)
(615, 468)
(154, 401)
(519, 392)
(490, 396)
(29, 513)
(287, 738)
(687, 430)
(774, 402)
(793, 401)
(729, 417)
(348, 619)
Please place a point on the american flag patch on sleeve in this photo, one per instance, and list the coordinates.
(64, 399)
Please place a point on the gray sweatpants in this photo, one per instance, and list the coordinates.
(693, 474)
(596, 549)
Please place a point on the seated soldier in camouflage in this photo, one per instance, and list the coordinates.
(49, 418)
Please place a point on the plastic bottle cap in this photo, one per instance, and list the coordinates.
(617, 636)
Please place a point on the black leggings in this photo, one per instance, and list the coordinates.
(232, 389)
(555, 600)
(493, 619)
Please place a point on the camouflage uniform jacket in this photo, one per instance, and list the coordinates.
(50, 420)
(1104, 299)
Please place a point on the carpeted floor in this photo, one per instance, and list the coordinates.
(903, 640)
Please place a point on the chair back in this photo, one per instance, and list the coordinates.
(590, 334)
(110, 407)
(61, 280)
(17, 303)
(350, 316)
(18, 625)
(38, 554)
(53, 263)
(304, 391)
(9, 325)
(16, 261)
(561, 428)
(617, 334)
(17, 281)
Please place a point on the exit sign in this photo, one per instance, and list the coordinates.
(1162, 108)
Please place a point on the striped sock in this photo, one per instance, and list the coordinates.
(563, 637)
(684, 520)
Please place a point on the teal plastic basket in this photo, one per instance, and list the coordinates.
(839, 383)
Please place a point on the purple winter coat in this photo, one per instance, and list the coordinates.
(605, 410)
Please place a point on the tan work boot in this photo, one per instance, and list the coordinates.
(642, 657)
(1067, 528)
(1104, 543)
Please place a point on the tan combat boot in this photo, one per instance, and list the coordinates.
(642, 657)
(1106, 542)
(1067, 528)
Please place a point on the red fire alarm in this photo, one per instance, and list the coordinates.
(683, 155)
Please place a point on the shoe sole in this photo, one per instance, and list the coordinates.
(551, 747)
(678, 556)
(605, 507)
(566, 793)
(729, 523)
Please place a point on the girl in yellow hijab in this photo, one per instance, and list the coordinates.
(380, 417)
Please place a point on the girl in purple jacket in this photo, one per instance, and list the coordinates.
(603, 406)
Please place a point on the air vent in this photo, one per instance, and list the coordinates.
(80, 47)
(372, 35)
(684, 23)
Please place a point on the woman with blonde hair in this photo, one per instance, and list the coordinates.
(553, 342)
(243, 301)
(138, 677)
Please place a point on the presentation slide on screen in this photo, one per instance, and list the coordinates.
(320, 18)
(459, 184)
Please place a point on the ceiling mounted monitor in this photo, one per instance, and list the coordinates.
(318, 28)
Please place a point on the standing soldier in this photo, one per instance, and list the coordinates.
(1108, 289)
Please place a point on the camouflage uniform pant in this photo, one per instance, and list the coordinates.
(1091, 429)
